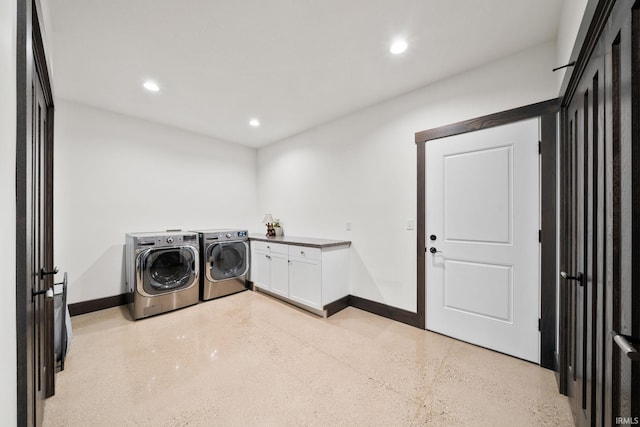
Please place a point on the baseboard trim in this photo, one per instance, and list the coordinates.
(84, 307)
(336, 306)
(374, 307)
(384, 310)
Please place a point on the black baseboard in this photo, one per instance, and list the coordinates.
(380, 309)
(336, 306)
(97, 304)
(384, 310)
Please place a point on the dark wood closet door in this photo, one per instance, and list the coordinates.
(583, 281)
(41, 244)
(622, 40)
(35, 365)
(600, 250)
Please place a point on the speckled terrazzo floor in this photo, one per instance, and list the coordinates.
(250, 360)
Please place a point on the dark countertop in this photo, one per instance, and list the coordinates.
(300, 241)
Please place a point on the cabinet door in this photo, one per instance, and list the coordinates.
(279, 278)
(305, 282)
(262, 274)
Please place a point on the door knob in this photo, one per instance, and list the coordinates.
(577, 278)
(43, 272)
(47, 293)
(433, 250)
(624, 343)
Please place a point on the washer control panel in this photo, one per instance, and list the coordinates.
(164, 239)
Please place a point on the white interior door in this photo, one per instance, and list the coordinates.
(482, 207)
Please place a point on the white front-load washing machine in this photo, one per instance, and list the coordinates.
(224, 262)
(162, 271)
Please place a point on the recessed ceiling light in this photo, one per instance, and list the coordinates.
(254, 123)
(151, 86)
(398, 47)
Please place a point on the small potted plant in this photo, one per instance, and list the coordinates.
(277, 227)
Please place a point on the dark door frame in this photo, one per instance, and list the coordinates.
(29, 54)
(547, 111)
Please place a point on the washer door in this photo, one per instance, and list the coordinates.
(226, 260)
(165, 270)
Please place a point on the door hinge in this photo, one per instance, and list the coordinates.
(539, 147)
(539, 328)
(540, 236)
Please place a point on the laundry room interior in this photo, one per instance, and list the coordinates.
(115, 173)
(177, 123)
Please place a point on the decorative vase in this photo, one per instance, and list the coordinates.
(271, 232)
(279, 231)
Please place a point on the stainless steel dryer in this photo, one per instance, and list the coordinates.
(162, 271)
(224, 262)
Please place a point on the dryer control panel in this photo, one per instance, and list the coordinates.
(223, 235)
(232, 235)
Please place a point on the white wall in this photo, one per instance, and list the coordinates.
(362, 168)
(116, 174)
(570, 19)
(8, 380)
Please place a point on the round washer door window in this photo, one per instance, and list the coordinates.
(168, 269)
(226, 260)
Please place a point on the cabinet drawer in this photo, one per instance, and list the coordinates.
(277, 248)
(260, 246)
(305, 252)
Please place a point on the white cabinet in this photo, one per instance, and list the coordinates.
(260, 270)
(305, 276)
(279, 274)
(310, 277)
(269, 267)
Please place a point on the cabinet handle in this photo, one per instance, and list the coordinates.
(269, 257)
(301, 252)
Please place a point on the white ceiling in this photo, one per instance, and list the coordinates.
(294, 64)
